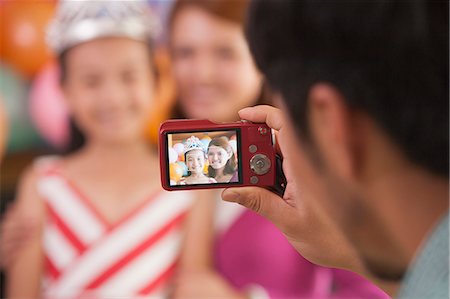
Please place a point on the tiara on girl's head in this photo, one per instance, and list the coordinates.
(79, 21)
(193, 143)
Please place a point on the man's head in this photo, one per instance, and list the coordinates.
(366, 85)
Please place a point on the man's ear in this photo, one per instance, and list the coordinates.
(331, 129)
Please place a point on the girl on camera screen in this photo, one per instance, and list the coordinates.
(195, 158)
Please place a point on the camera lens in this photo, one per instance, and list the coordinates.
(260, 164)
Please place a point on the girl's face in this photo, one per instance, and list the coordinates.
(218, 157)
(212, 65)
(195, 161)
(109, 88)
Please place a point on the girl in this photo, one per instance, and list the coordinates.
(231, 252)
(106, 229)
(195, 161)
(222, 162)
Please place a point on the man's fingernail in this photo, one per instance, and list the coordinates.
(231, 196)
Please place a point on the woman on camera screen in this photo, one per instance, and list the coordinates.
(222, 161)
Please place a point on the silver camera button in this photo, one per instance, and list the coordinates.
(260, 164)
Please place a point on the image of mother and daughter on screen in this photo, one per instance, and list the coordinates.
(204, 161)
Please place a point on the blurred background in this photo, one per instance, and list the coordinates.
(33, 116)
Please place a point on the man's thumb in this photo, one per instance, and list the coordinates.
(260, 200)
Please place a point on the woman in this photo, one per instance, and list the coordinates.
(106, 228)
(244, 255)
(222, 162)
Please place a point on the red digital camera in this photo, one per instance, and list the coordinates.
(200, 154)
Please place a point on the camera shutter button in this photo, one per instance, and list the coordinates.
(252, 148)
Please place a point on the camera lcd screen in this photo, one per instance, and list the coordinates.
(203, 158)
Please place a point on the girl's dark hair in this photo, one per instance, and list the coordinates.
(231, 10)
(77, 139)
(230, 166)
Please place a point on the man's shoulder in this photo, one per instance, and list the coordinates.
(428, 275)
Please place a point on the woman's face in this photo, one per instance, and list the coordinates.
(109, 88)
(212, 65)
(218, 157)
(195, 161)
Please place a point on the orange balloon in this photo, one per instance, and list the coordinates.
(175, 171)
(205, 167)
(22, 34)
(164, 97)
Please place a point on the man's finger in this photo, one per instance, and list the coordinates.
(272, 116)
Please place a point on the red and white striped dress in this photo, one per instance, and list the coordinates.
(86, 257)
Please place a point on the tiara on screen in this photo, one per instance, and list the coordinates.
(77, 22)
(193, 143)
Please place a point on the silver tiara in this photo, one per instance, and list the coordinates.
(80, 21)
(193, 143)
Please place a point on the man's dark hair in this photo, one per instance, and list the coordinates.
(388, 59)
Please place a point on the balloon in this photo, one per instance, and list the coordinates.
(13, 89)
(175, 171)
(233, 144)
(23, 34)
(205, 142)
(205, 167)
(233, 137)
(179, 148)
(184, 167)
(3, 128)
(48, 109)
(181, 157)
(164, 99)
(173, 156)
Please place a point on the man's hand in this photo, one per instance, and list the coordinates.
(299, 216)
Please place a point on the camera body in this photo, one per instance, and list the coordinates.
(200, 154)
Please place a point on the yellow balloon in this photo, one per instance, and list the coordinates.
(205, 167)
(175, 171)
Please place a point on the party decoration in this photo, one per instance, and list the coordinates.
(48, 109)
(22, 34)
(13, 90)
(184, 167)
(205, 142)
(179, 148)
(175, 171)
(233, 144)
(205, 167)
(3, 128)
(173, 156)
(164, 97)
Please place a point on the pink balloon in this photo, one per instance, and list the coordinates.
(173, 156)
(48, 109)
(179, 148)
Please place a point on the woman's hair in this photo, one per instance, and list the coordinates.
(230, 166)
(231, 10)
(76, 136)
